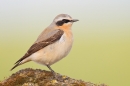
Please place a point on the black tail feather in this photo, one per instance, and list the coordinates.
(15, 66)
(18, 61)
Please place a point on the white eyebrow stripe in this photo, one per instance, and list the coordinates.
(61, 18)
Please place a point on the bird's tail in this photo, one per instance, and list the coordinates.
(17, 64)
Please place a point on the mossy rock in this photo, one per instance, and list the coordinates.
(37, 77)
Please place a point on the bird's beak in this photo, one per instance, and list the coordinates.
(75, 20)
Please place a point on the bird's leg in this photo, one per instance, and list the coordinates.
(55, 76)
(53, 72)
(51, 69)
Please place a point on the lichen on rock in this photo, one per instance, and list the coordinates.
(37, 77)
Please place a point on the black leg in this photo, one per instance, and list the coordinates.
(50, 69)
(55, 76)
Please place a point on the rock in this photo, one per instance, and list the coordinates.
(37, 77)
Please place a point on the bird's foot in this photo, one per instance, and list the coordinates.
(59, 77)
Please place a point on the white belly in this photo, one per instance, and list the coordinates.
(54, 52)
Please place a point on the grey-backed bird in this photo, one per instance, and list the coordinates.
(54, 43)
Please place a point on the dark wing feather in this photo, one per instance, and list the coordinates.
(37, 46)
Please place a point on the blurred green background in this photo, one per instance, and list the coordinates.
(101, 50)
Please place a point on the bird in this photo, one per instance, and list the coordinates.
(53, 44)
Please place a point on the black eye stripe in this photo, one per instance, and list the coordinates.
(65, 20)
(61, 22)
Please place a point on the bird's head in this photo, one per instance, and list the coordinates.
(64, 20)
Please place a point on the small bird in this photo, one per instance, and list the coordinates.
(53, 43)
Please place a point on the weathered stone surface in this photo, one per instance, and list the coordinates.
(31, 77)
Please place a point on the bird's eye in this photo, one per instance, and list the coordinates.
(65, 20)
